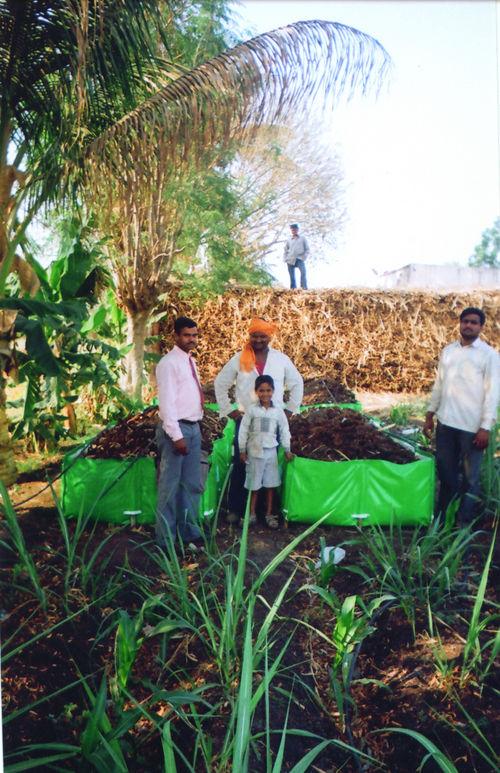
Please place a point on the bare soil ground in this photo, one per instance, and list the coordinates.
(397, 683)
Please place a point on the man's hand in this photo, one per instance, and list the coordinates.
(235, 415)
(243, 456)
(429, 425)
(481, 439)
(289, 456)
(180, 447)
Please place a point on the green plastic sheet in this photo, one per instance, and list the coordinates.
(118, 491)
(362, 491)
(359, 491)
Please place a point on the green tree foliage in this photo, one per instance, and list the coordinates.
(64, 330)
(117, 101)
(147, 170)
(68, 70)
(487, 252)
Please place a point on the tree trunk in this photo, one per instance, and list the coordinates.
(8, 471)
(137, 322)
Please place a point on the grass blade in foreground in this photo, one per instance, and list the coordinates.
(243, 724)
(168, 749)
(18, 540)
(437, 755)
(65, 752)
(472, 642)
(492, 761)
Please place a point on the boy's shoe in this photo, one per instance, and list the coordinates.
(272, 522)
(252, 520)
(196, 546)
(232, 518)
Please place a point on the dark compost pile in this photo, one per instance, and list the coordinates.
(340, 434)
(326, 390)
(133, 435)
(316, 391)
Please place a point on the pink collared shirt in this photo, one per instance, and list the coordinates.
(178, 393)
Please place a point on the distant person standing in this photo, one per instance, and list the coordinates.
(465, 401)
(294, 255)
(178, 436)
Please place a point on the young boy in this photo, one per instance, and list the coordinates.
(259, 437)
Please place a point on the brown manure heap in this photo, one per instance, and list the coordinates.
(340, 434)
(326, 390)
(131, 436)
(316, 390)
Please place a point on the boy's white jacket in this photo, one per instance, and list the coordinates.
(259, 430)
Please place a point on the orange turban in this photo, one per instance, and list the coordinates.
(247, 358)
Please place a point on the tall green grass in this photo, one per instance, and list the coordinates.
(479, 657)
(19, 546)
(217, 607)
(423, 568)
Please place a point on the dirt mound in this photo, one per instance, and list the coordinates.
(339, 434)
(316, 391)
(131, 436)
(326, 390)
(208, 390)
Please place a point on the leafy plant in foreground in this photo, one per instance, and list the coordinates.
(353, 623)
(225, 624)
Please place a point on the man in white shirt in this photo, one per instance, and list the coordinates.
(180, 401)
(256, 359)
(295, 252)
(465, 401)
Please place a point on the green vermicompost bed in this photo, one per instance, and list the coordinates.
(110, 489)
(382, 491)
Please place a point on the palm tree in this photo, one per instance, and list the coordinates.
(68, 69)
(139, 167)
(69, 72)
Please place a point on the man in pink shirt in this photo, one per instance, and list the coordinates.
(179, 440)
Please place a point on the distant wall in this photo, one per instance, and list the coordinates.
(374, 340)
(441, 277)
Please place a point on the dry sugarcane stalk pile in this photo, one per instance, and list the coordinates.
(373, 340)
(133, 435)
(340, 434)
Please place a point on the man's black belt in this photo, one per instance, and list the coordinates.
(187, 421)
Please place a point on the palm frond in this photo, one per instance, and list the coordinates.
(66, 64)
(262, 80)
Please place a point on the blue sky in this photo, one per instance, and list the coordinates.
(421, 163)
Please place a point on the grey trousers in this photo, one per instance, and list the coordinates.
(179, 486)
(458, 463)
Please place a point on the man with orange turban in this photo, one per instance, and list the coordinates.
(256, 359)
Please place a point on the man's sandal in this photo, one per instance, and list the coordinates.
(272, 522)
